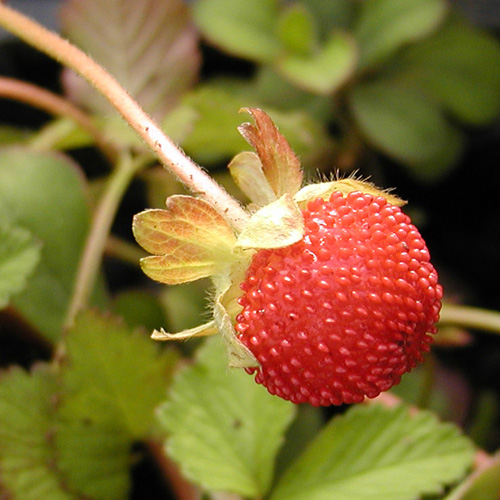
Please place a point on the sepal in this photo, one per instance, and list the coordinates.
(246, 170)
(190, 240)
(198, 331)
(325, 189)
(279, 163)
(276, 225)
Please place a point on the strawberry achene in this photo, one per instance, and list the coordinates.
(342, 314)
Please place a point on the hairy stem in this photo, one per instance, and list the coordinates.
(471, 317)
(52, 103)
(169, 154)
(99, 232)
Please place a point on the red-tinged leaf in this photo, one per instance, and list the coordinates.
(279, 163)
(150, 46)
(190, 240)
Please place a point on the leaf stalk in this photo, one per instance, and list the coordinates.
(185, 169)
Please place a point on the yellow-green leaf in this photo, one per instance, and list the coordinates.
(325, 70)
(190, 240)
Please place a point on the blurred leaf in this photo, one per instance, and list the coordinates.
(26, 455)
(139, 308)
(190, 240)
(12, 135)
(459, 66)
(384, 26)
(483, 484)
(243, 28)
(304, 428)
(416, 389)
(275, 91)
(326, 69)
(94, 458)
(215, 137)
(62, 134)
(332, 15)
(44, 193)
(407, 126)
(112, 380)
(484, 417)
(113, 376)
(150, 47)
(296, 30)
(185, 305)
(378, 453)
(19, 255)
(225, 429)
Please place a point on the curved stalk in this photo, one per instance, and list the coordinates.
(190, 174)
(99, 232)
(55, 105)
(471, 317)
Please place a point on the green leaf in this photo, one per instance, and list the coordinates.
(225, 429)
(150, 47)
(93, 458)
(407, 126)
(184, 304)
(245, 29)
(19, 255)
(13, 135)
(384, 26)
(114, 376)
(274, 91)
(324, 71)
(378, 453)
(483, 484)
(214, 137)
(331, 15)
(296, 30)
(26, 455)
(44, 193)
(139, 308)
(459, 66)
(112, 380)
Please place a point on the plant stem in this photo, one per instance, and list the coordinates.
(52, 103)
(123, 250)
(471, 317)
(99, 232)
(198, 181)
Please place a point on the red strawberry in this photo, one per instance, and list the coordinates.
(342, 314)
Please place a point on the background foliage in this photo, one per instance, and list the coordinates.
(407, 91)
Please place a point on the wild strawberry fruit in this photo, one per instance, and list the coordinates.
(325, 292)
(343, 313)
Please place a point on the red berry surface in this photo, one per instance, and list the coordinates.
(342, 314)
